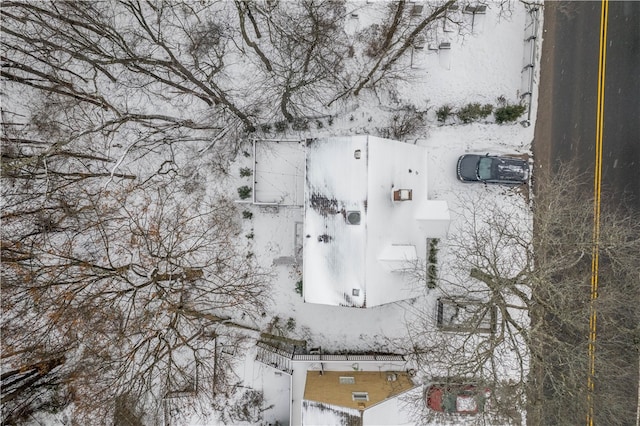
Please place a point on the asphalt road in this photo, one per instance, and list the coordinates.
(566, 121)
(621, 140)
(568, 110)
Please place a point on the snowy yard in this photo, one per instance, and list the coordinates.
(480, 67)
(221, 169)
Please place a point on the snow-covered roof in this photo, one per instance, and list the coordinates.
(394, 411)
(317, 413)
(358, 239)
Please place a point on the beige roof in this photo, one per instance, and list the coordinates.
(379, 385)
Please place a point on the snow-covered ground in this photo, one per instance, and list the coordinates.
(485, 63)
(481, 66)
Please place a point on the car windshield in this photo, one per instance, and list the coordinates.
(484, 168)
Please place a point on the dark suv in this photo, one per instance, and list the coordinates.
(492, 169)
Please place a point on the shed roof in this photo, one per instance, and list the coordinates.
(330, 387)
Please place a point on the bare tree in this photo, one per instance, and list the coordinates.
(307, 48)
(391, 50)
(381, 46)
(125, 283)
(136, 286)
(563, 244)
(107, 267)
(111, 55)
(536, 280)
(480, 334)
(122, 61)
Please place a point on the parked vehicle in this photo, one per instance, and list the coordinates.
(492, 169)
(457, 398)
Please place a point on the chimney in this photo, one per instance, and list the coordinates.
(402, 195)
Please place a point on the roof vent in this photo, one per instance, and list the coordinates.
(360, 396)
(357, 154)
(353, 218)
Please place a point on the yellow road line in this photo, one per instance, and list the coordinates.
(597, 187)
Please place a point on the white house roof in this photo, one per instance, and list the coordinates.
(393, 411)
(356, 236)
(390, 412)
(315, 413)
(397, 257)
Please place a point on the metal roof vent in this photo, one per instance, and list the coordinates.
(353, 218)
